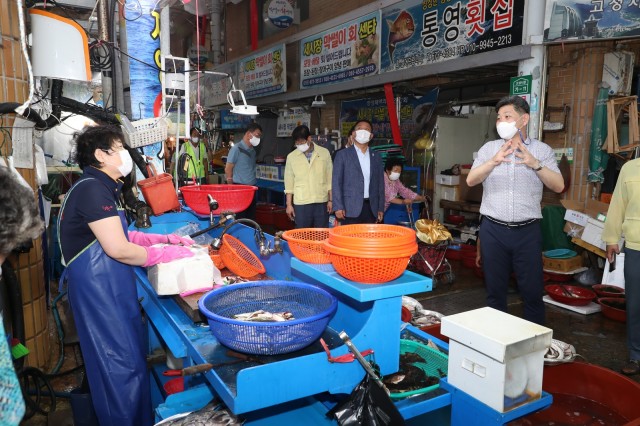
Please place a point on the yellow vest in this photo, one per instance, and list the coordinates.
(199, 164)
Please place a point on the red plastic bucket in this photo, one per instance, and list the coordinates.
(158, 191)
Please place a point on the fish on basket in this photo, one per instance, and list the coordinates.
(264, 316)
(409, 377)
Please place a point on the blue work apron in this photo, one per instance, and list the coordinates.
(104, 301)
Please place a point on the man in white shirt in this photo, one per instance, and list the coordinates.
(513, 171)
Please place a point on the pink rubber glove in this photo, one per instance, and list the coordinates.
(146, 240)
(165, 254)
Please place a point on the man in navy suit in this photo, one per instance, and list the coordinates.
(357, 181)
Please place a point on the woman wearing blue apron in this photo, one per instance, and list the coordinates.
(99, 255)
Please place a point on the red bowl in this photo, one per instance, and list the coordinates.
(570, 294)
(455, 219)
(406, 315)
(613, 308)
(559, 278)
(608, 290)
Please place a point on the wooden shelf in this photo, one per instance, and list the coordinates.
(461, 206)
(590, 247)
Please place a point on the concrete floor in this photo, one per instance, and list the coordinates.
(597, 339)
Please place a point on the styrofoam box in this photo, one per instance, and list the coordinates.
(181, 275)
(592, 233)
(447, 180)
(576, 217)
(450, 193)
(495, 357)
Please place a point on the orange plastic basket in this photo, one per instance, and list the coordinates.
(217, 260)
(368, 268)
(371, 235)
(239, 259)
(306, 244)
(158, 191)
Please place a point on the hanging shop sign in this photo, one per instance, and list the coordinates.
(342, 53)
(290, 120)
(264, 73)
(422, 32)
(279, 13)
(521, 86)
(591, 19)
(231, 121)
(415, 115)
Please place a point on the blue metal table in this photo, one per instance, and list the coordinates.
(294, 388)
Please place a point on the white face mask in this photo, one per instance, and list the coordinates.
(195, 139)
(127, 163)
(254, 141)
(363, 136)
(506, 129)
(394, 176)
(303, 148)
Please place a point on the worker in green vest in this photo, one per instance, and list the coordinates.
(195, 166)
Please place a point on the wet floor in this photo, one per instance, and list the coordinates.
(597, 339)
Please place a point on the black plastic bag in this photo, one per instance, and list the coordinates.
(368, 405)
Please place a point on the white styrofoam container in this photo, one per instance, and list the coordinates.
(450, 193)
(576, 217)
(495, 357)
(181, 275)
(447, 180)
(592, 233)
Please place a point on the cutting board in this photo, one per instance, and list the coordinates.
(591, 308)
(189, 304)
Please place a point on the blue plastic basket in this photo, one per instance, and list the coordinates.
(311, 307)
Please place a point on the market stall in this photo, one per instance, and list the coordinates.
(297, 387)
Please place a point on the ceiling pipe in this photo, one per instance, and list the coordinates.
(216, 30)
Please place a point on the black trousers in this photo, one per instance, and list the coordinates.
(505, 250)
(312, 215)
(366, 216)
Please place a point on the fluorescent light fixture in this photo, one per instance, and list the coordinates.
(242, 109)
(318, 102)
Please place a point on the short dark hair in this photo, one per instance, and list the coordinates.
(252, 127)
(519, 104)
(18, 213)
(300, 132)
(196, 129)
(392, 162)
(95, 137)
(363, 120)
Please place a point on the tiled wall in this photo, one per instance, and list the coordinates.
(29, 267)
(574, 72)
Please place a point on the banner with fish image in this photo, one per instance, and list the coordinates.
(264, 73)
(143, 43)
(342, 53)
(579, 20)
(422, 32)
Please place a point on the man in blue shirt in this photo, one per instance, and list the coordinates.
(241, 164)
